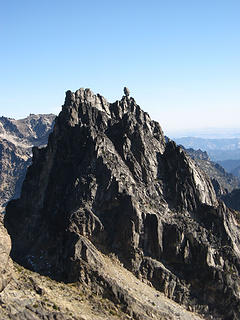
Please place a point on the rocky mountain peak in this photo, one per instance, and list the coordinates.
(81, 106)
(108, 183)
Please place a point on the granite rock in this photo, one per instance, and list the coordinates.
(5, 260)
(109, 182)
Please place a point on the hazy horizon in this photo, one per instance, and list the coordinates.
(206, 133)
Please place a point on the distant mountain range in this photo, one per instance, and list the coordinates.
(207, 133)
(218, 149)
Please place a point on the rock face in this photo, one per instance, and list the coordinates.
(223, 182)
(230, 165)
(108, 182)
(197, 154)
(232, 199)
(5, 260)
(16, 140)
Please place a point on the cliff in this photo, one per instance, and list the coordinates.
(108, 183)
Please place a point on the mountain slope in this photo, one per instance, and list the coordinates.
(16, 140)
(236, 172)
(229, 165)
(32, 296)
(223, 181)
(107, 182)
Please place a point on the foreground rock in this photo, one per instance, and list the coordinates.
(30, 296)
(16, 140)
(5, 260)
(108, 182)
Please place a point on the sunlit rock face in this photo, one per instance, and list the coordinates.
(108, 182)
(223, 182)
(6, 266)
(17, 137)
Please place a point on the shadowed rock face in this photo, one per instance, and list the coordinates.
(108, 182)
(232, 199)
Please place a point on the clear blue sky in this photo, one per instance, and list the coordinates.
(180, 59)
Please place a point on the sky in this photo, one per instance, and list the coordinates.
(179, 58)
